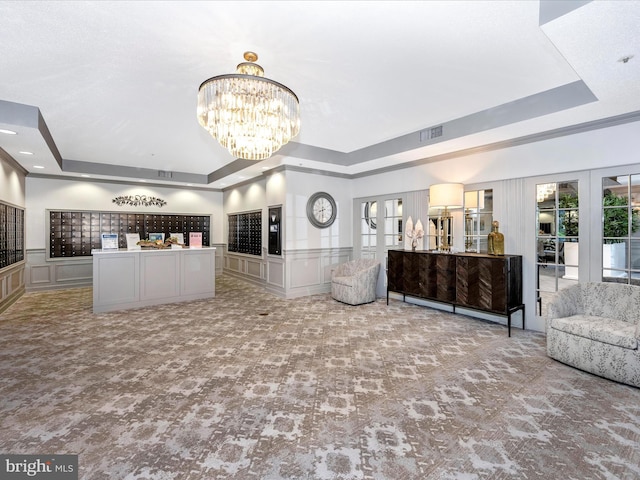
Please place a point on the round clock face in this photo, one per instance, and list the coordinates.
(321, 209)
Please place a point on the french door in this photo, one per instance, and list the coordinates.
(380, 230)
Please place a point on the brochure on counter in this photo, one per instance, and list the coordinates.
(195, 239)
(178, 236)
(109, 241)
(132, 241)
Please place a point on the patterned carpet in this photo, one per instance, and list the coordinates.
(250, 386)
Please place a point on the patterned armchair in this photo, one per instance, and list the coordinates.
(596, 327)
(354, 282)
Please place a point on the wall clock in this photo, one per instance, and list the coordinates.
(321, 209)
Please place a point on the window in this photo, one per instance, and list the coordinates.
(620, 224)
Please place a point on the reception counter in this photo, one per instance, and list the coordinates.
(125, 279)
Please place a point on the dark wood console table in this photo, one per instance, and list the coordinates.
(487, 283)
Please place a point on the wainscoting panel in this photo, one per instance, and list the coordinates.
(234, 264)
(11, 284)
(308, 272)
(305, 272)
(41, 274)
(219, 257)
(332, 261)
(16, 279)
(248, 267)
(275, 273)
(77, 272)
(296, 273)
(254, 268)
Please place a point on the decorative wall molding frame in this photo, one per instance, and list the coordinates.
(296, 273)
(12, 284)
(308, 272)
(41, 274)
(139, 201)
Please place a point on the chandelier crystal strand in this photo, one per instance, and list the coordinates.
(249, 115)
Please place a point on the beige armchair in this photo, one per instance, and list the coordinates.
(354, 282)
(595, 327)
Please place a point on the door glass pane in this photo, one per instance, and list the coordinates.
(393, 224)
(620, 224)
(557, 238)
(478, 215)
(368, 227)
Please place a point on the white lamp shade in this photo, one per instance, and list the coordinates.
(450, 195)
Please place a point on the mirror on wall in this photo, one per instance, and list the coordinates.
(478, 215)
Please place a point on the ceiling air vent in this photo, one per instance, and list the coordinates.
(434, 132)
(163, 174)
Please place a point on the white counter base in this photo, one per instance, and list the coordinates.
(124, 279)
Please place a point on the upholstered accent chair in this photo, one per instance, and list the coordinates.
(354, 282)
(596, 327)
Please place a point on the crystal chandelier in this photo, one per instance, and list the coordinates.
(249, 115)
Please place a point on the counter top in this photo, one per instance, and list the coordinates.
(99, 251)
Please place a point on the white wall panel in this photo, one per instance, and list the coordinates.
(60, 194)
(617, 145)
(12, 184)
(245, 197)
(300, 234)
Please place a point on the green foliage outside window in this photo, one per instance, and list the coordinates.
(568, 211)
(616, 220)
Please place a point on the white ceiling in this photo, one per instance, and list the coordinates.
(116, 82)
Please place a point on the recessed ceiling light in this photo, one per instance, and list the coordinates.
(26, 153)
(8, 132)
(38, 166)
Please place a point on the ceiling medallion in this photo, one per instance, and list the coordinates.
(250, 115)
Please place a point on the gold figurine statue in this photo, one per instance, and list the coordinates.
(496, 240)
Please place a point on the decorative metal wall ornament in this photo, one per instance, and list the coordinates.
(139, 201)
